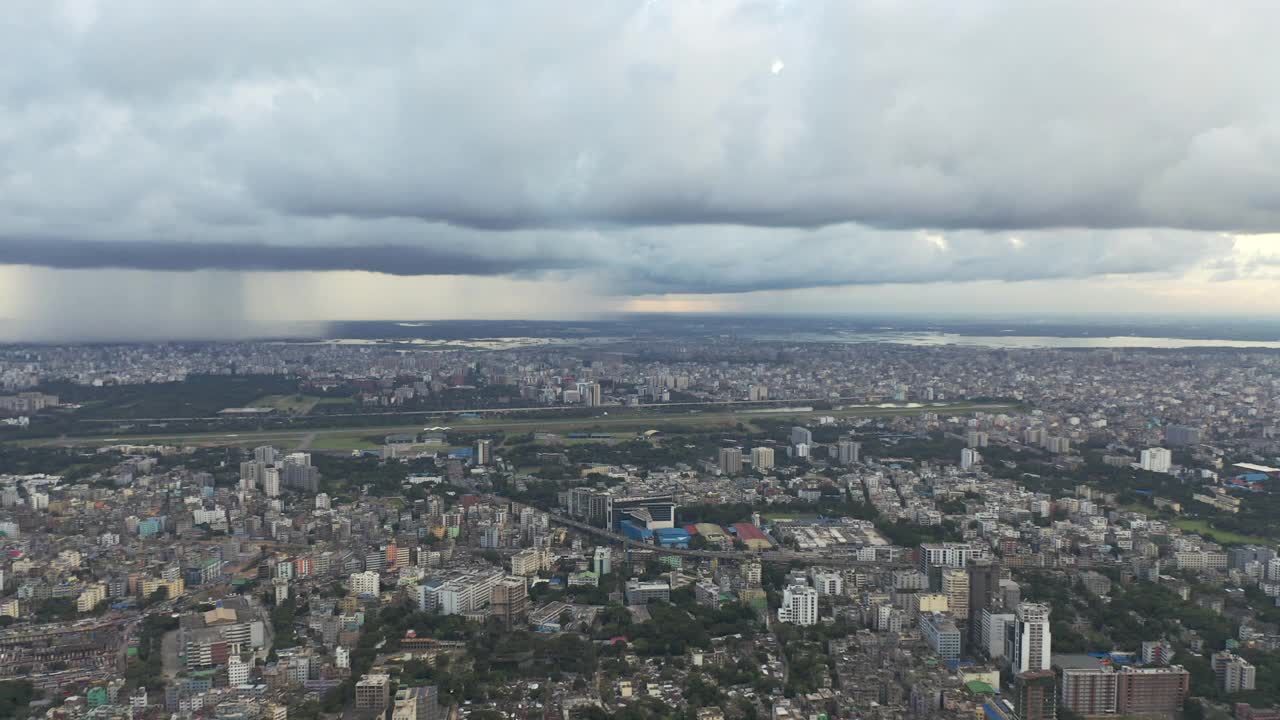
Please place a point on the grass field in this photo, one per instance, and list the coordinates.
(619, 424)
(1202, 528)
(774, 516)
(296, 404)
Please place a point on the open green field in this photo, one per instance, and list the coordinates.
(775, 516)
(1202, 528)
(621, 422)
(296, 404)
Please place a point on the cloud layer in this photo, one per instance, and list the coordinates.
(665, 146)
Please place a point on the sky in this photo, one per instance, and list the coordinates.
(213, 169)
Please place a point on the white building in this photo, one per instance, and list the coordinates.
(365, 583)
(828, 583)
(992, 632)
(271, 482)
(603, 561)
(762, 458)
(1157, 460)
(799, 605)
(968, 458)
(1029, 645)
(237, 671)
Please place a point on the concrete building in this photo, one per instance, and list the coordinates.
(992, 632)
(1087, 685)
(509, 601)
(848, 452)
(1157, 460)
(603, 561)
(1035, 695)
(731, 461)
(1030, 640)
(641, 593)
(1152, 691)
(365, 583)
(942, 635)
(799, 605)
(483, 454)
(801, 436)
(373, 692)
(271, 481)
(762, 458)
(955, 585)
(1181, 435)
(1234, 673)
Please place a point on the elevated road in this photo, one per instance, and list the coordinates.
(737, 556)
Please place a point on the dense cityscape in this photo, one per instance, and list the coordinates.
(732, 528)
(639, 360)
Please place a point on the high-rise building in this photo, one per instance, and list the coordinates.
(265, 455)
(1181, 435)
(984, 584)
(271, 481)
(828, 583)
(237, 671)
(942, 635)
(603, 561)
(992, 632)
(731, 461)
(848, 452)
(968, 458)
(373, 692)
(758, 393)
(1030, 639)
(1157, 460)
(1234, 672)
(589, 393)
(1152, 691)
(978, 439)
(943, 555)
(1157, 652)
(1035, 695)
(955, 585)
(251, 475)
(509, 601)
(799, 605)
(483, 452)
(1087, 685)
(762, 458)
(1057, 444)
(364, 583)
(297, 473)
(801, 436)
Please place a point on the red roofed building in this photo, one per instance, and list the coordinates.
(751, 536)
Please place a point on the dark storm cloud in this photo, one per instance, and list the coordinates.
(664, 146)
(185, 256)
(688, 259)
